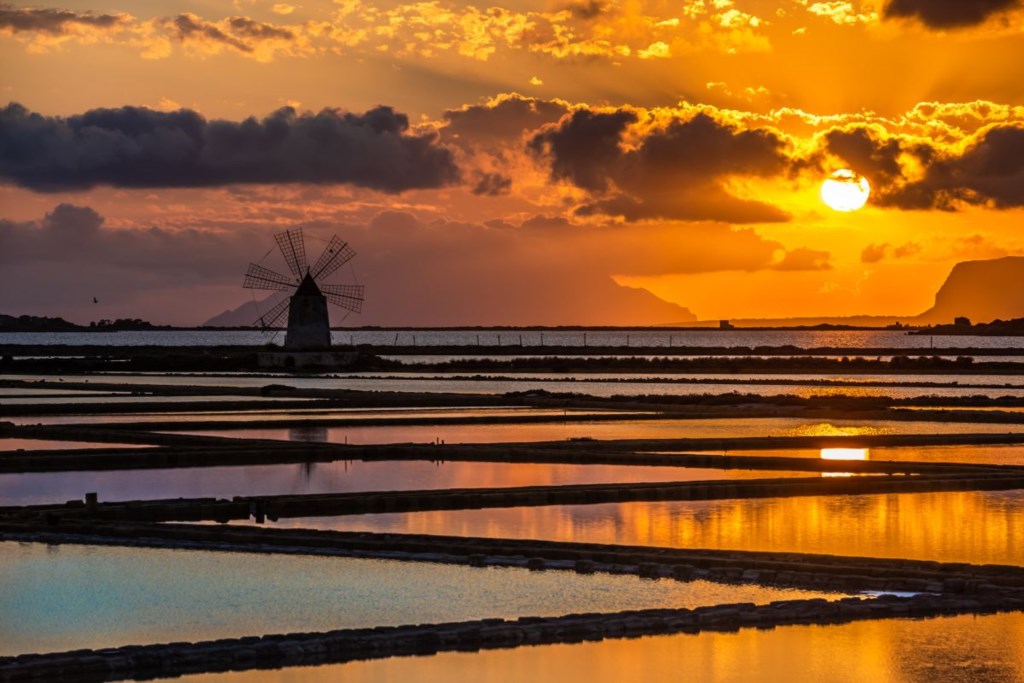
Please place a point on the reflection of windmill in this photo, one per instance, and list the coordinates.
(308, 322)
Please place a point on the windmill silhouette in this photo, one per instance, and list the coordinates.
(306, 307)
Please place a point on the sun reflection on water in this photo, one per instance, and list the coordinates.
(845, 454)
(829, 429)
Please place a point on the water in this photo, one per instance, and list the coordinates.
(721, 428)
(333, 477)
(884, 379)
(332, 414)
(852, 339)
(963, 649)
(602, 385)
(69, 597)
(114, 399)
(977, 527)
(1012, 454)
(425, 359)
(9, 444)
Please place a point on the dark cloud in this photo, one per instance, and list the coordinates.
(803, 258)
(68, 219)
(942, 14)
(137, 147)
(873, 253)
(500, 121)
(988, 170)
(249, 28)
(875, 158)
(241, 33)
(492, 184)
(190, 27)
(585, 147)
(587, 9)
(676, 171)
(991, 170)
(52, 21)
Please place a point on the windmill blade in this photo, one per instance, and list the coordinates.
(293, 249)
(349, 297)
(336, 254)
(258, 277)
(273, 316)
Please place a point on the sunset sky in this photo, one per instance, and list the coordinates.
(524, 162)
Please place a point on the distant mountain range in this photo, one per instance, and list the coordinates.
(982, 291)
(243, 316)
(609, 304)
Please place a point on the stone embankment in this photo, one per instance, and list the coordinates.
(319, 505)
(276, 651)
(798, 570)
(179, 450)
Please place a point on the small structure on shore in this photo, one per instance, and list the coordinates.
(309, 324)
(309, 327)
(307, 341)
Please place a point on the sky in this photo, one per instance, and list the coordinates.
(607, 162)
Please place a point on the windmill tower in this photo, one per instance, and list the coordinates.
(309, 324)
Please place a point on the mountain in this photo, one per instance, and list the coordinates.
(243, 316)
(980, 290)
(530, 303)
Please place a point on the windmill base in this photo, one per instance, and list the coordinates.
(291, 360)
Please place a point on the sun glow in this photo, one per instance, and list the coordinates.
(844, 454)
(845, 190)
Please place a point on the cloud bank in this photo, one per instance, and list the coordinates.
(949, 14)
(137, 147)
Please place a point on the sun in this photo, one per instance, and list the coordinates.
(845, 190)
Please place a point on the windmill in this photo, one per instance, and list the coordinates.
(309, 324)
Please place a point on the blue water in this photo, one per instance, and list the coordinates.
(55, 598)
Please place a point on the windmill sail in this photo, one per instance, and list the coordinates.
(272, 317)
(293, 248)
(258, 277)
(336, 254)
(305, 303)
(349, 297)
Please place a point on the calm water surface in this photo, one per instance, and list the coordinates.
(424, 359)
(769, 378)
(962, 386)
(71, 399)
(964, 649)
(291, 415)
(69, 597)
(978, 527)
(625, 429)
(988, 455)
(333, 477)
(853, 339)
(46, 445)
